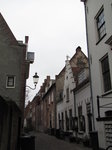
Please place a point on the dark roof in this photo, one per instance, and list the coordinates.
(6, 33)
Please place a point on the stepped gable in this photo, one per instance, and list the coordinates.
(79, 59)
(73, 61)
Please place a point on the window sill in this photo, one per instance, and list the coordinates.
(9, 87)
(107, 93)
(101, 39)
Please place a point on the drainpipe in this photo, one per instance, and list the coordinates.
(91, 91)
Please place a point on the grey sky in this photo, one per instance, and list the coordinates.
(55, 29)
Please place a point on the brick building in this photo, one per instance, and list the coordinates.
(49, 106)
(14, 67)
(67, 104)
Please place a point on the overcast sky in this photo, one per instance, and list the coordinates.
(55, 29)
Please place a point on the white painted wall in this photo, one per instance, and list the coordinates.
(68, 82)
(97, 51)
(82, 97)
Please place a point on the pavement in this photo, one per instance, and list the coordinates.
(47, 142)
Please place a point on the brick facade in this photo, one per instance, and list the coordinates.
(12, 64)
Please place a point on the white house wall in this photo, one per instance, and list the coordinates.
(82, 97)
(101, 49)
(68, 83)
(98, 51)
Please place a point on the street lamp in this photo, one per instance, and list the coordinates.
(35, 81)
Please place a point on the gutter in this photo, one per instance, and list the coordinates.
(91, 90)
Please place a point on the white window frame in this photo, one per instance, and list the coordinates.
(7, 80)
(100, 24)
(105, 89)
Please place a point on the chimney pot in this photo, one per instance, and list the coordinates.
(26, 39)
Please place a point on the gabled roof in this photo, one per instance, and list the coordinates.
(84, 83)
(6, 34)
(75, 71)
(78, 49)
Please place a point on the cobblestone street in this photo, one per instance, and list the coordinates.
(48, 142)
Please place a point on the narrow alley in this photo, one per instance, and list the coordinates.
(48, 142)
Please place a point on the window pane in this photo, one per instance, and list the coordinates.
(101, 24)
(62, 120)
(70, 116)
(10, 81)
(67, 94)
(107, 82)
(105, 65)
(80, 110)
(106, 74)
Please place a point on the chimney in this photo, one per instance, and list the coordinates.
(83, 0)
(48, 77)
(26, 39)
(78, 49)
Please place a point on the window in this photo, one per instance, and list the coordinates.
(52, 97)
(62, 120)
(100, 21)
(61, 96)
(10, 82)
(106, 74)
(70, 116)
(80, 111)
(67, 95)
(67, 121)
(89, 116)
(88, 108)
(59, 121)
(82, 76)
(81, 119)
